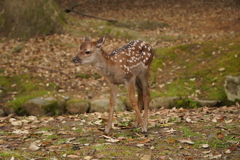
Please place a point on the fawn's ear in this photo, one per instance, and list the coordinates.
(101, 41)
(87, 39)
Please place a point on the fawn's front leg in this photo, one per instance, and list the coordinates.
(112, 100)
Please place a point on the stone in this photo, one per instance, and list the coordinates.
(77, 106)
(166, 102)
(102, 105)
(232, 87)
(208, 103)
(44, 105)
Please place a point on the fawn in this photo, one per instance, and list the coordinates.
(128, 65)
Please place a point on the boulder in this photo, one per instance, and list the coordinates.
(44, 105)
(102, 105)
(208, 103)
(166, 102)
(232, 87)
(77, 106)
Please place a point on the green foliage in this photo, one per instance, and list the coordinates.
(187, 103)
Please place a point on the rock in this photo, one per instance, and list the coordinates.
(44, 105)
(232, 87)
(77, 106)
(102, 105)
(209, 103)
(166, 102)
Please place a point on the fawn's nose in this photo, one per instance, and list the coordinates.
(76, 60)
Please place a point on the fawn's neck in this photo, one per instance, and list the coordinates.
(103, 64)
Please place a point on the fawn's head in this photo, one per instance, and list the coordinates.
(88, 51)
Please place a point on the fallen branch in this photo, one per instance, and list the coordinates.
(72, 10)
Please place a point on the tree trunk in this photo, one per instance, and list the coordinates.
(26, 18)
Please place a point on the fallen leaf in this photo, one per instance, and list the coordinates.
(205, 145)
(18, 131)
(73, 156)
(188, 120)
(187, 140)
(227, 151)
(140, 145)
(206, 152)
(33, 147)
(171, 130)
(220, 135)
(144, 140)
(228, 121)
(170, 141)
(216, 156)
(99, 122)
(88, 157)
(12, 158)
(16, 123)
(110, 139)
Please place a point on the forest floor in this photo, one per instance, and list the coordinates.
(209, 29)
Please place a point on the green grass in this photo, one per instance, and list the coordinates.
(187, 132)
(9, 154)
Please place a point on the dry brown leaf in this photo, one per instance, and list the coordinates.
(144, 140)
(220, 135)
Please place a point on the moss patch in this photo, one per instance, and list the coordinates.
(18, 89)
(197, 69)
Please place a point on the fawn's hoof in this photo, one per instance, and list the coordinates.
(134, 127)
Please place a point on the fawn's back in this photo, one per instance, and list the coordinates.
(134, 55)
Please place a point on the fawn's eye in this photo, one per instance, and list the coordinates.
(87, 52)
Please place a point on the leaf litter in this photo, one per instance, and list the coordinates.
(174, 135)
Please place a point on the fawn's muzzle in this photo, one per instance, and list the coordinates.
(77, 60)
